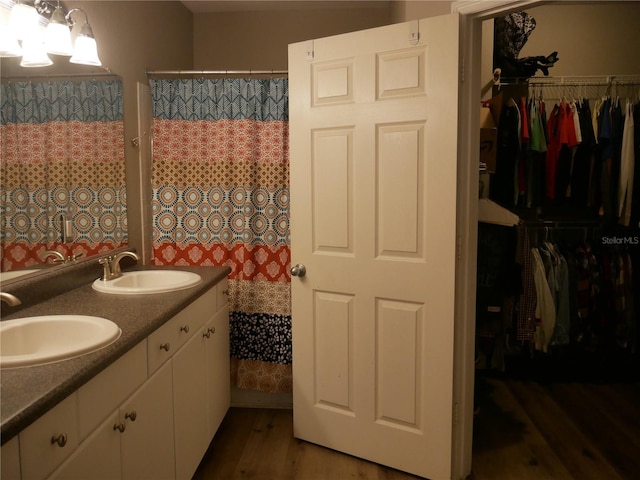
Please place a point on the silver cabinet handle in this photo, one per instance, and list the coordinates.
(131, 416)
(184, 328)
(60, 440)
(121, 427)
(165, 346)
(299, 270)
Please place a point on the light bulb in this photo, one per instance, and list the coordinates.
(57, 38)
(85, 51)
(33, 53)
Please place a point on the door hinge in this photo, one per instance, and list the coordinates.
(459, 247)
(414, 32)
(309, 48)
(462, 69)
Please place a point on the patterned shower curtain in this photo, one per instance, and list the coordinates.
(62, 155)
(221, 197)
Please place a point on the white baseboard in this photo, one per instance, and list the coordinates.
(255, 399)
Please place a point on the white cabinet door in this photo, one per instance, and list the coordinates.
(146, 446)
(48, 441)
(190, 405)
(218, 368)
(373, 146)
(97, 458)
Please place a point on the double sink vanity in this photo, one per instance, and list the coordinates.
(121, 378)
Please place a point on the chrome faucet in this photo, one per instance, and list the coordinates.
(10, 299)
(57, 256)
(111, 265)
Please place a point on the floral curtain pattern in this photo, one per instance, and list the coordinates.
(221, 197)
(62, 154)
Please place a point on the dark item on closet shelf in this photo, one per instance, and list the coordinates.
(525, 67)
(511, 32)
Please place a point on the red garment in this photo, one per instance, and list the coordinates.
(561, 131)
(568, 129)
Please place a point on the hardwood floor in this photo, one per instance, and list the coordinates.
(524, 430)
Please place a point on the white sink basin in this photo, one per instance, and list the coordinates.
(148, 281)
(52, 338)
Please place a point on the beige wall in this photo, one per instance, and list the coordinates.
(600, 39)
(259, 40)
(416, 9)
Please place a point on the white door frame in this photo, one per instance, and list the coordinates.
(472, 13)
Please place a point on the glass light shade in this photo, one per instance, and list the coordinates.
(57, 36)
(85, 51)
(24, 21)
(33, 53)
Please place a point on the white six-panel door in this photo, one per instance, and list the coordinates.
(373, 144)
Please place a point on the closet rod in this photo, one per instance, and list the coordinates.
(576, 80)
(217, 72)
(579, 84)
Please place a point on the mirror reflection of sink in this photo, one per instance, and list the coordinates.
(16, 273)
(148, 281)
(51, 338)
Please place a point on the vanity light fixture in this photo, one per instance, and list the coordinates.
(31, 29)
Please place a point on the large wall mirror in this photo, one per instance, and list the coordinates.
(62, 168)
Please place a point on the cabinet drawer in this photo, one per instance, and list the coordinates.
(40, 453)
(105, 392)
(165, 341)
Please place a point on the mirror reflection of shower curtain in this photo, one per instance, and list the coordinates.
(221, 197)
(62, 159)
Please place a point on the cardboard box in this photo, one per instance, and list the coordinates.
(488, 139)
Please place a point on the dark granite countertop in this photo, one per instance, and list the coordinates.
(27, 393)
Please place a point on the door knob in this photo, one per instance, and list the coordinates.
(299, 270)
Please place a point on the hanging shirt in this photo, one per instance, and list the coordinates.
(545, 308)
(538, 141)
(627, 159)
(576, 121)
(527, 301)
(554, 127)
(563, 315)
